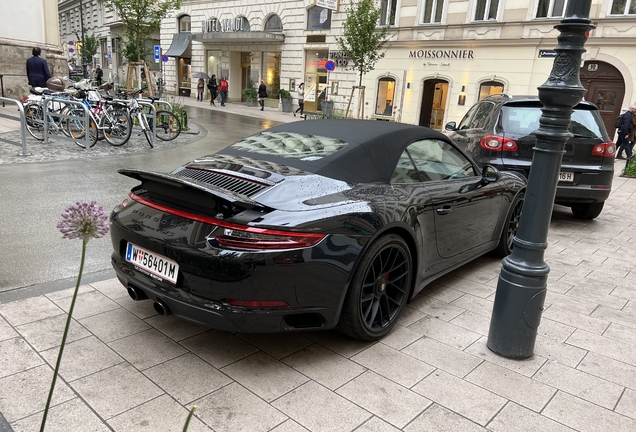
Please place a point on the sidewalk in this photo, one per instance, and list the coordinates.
(127, 369)
(242, 109)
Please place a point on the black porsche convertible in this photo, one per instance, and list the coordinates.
(311, 225)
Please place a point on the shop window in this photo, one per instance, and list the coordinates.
(623, 7)
(490, 87)
(272, 66)
(386, 97)
(486, 10)
(318, 18)
(274, 24)
(432, 11)
(185, 24)
(389, 11)
(553, 8)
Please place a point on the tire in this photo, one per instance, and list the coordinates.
(379, 289)
(75, 128)
(146, 128)
(117, 128)
(34, 119)
(167, 126)
(504, 248)
(587, 211)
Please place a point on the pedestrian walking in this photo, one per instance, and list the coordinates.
(213, 87)
(200, 89)
(262, 94)
(301, 99)
(37, 69)
(99, 74)
(223, 89)
(626, 127)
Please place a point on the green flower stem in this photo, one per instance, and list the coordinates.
(187, 423)
(68, 324)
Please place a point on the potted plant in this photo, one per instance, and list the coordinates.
(327, 107)
(179, 112)
(250, 95)
(285, 99)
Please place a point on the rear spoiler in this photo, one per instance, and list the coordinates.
(186, 183)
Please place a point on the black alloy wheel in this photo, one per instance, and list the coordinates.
(504, 248)
(379, 289)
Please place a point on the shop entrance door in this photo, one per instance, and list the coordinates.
(315, 79)
(606, 89)
(433, 105)
(246, 67)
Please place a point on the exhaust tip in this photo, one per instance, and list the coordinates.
(161, 308)
(136, 294)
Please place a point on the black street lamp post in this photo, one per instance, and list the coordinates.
(84, 66)
(521, 289)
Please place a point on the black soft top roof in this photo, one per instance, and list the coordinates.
(372, 151)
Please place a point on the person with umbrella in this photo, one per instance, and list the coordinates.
(200, 89)
(212, 86)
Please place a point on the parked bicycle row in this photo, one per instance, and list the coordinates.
(79, 109)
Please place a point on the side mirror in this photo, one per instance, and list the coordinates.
(451, 126)
(489, 174)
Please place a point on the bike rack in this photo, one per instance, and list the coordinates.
(22, 121)
(158, 102)
(47, 101)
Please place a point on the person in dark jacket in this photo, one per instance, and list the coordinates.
(262, 94)
(213, 87)
(99, 75)
(37, 69)
(622, 143)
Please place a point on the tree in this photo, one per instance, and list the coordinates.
(362, 42)
(140, 18)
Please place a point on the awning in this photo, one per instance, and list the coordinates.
(180, 46)
(239, 37)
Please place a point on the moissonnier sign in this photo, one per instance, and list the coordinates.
(442, 54)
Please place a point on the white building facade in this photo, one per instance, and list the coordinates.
(444, 55)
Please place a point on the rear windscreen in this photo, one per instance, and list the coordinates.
(520, 120)
(290, 145)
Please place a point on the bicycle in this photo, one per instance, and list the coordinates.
(167, 126)
(110, 118)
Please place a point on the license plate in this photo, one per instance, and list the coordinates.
(566, 176)
(153, 263)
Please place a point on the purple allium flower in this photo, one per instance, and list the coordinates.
(83, 220)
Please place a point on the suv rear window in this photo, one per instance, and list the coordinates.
(523, 120)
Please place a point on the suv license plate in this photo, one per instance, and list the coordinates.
(153, 263)
(566, 176)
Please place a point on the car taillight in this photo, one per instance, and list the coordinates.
(241, 237)
(607, 149)
(497, 143)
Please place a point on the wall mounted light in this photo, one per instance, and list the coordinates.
(408, 85)
(462, 97)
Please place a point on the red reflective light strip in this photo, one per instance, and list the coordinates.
(256, 303)
(223, 224)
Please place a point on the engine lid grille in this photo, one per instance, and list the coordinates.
(222, 180)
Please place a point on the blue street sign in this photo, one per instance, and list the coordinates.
(330, 65)
(157, 53)
(164, 58)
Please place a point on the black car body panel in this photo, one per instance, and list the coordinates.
(191, 215)
(517, 118)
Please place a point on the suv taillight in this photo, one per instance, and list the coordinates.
(497, 143)
(607, 149)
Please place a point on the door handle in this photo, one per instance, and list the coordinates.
(444, 210)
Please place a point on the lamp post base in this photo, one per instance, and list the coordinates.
(516, 314)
